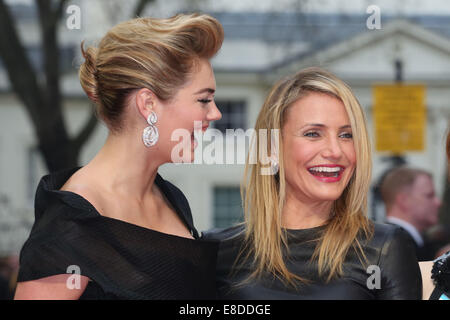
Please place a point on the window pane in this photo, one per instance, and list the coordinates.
(234, 115)
(227, 206)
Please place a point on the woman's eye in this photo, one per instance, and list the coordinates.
(204, 101)
(346, 135)
(311, 134)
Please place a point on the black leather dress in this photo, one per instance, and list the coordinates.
(389, 251)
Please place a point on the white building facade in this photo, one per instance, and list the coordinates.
(258, 50)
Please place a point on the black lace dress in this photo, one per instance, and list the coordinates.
(122, 260)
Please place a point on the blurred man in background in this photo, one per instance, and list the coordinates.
(411, 203)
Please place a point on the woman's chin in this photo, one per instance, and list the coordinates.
(327, 194)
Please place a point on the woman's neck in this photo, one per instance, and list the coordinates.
(124, 166)
(300, 214)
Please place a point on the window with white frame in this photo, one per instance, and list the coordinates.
(234, 115)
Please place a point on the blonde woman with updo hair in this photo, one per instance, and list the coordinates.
(115, 229)
(306, 233)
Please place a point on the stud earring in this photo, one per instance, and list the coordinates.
(274, 166)
(151, 135)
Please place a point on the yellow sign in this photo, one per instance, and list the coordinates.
(400, 117)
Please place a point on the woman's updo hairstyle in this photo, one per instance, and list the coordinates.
(157, 54)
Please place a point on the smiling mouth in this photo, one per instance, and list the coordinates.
(326, 171)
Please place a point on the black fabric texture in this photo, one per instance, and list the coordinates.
(390, 249)
(122, 260)
(426, 252)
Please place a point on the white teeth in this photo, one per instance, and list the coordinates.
(326, 169)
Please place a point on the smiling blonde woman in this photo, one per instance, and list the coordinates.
(306, 233)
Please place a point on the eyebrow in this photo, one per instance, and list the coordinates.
(205, 90)
(347, 126)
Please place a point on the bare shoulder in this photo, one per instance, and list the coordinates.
(57, 287)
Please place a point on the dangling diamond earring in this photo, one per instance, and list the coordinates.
(150, 135)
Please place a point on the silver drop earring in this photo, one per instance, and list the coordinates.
(151, 135)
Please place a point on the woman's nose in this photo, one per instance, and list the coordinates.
(332, 149)
(213, 113)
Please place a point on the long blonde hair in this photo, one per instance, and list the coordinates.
(264, 195)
